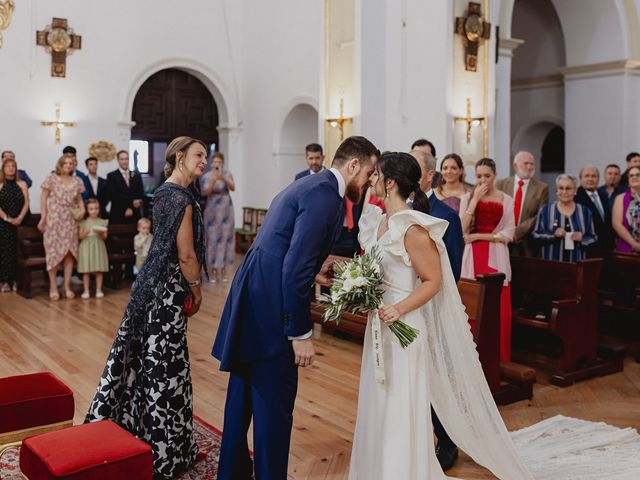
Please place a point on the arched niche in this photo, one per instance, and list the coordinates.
(298, 129)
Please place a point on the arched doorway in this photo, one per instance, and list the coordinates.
(299, 128)
(171, 103)
(537, 89)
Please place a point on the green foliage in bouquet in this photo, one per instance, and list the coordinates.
(357, 289)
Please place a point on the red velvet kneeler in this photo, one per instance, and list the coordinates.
(33, 401)
(93, 451)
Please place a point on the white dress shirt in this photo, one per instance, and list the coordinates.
(94, 183)
(516, 179)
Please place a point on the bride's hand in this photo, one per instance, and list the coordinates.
(389, 314)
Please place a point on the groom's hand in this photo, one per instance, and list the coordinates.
(325, 274)
(304, 352)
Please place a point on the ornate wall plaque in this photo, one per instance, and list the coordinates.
(103, 151)
(6, 13)
(59, 40)
(473, 29)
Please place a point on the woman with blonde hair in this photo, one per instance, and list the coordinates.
(61, 206)
(146, 384)
(452, 187)
(14, 205)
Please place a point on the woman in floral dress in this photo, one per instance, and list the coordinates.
(61, 206)
(218, 218)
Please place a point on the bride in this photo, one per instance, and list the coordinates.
(393, 436)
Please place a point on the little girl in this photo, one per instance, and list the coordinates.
(142, 242)
(92, 254)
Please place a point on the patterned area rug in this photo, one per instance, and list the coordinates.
(207, 438)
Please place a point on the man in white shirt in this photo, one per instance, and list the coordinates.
(597, 202)
(314, 156)
(124, 191)
(95, 186)
(529, 195)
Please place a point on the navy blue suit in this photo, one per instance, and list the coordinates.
(101, 194)
(454, 242)
(453, 236)
(302, 174)
(267, 303)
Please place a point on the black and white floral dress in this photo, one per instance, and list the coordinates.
(146, 383)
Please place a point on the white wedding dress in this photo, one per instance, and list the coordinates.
(393, 438)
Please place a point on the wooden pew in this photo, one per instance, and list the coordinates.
(30, 256)
(121, 251)
(481, 297)
(561, 298)
(619, 287)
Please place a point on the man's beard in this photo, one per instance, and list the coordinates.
(354, 192)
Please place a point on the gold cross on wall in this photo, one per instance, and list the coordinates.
(58, 123)
(469, 120)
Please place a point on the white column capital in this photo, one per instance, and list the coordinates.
(506, 46)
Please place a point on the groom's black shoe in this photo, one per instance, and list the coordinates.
(446, 457)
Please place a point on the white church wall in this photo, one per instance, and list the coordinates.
(282, 63)
(404, 57)
(120, 41)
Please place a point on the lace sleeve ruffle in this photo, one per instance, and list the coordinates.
(368, 225)
(399, 223)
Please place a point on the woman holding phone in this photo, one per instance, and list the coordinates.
(216, 186)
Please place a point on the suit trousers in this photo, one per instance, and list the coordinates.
(265, 390)
(444, 440)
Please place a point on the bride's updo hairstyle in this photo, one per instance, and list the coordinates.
(405, 171)
(178, 144)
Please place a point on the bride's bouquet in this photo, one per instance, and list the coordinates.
(357, 288)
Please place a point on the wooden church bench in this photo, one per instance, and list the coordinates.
(619, 287)
(252, 219)
(481, 297)
(561, 299)
(30, 258)
(121, 251)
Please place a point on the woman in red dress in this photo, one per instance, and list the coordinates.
(488, 226)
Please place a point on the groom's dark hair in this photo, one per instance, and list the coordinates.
(355, 147)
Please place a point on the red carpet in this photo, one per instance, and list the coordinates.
(207, 437)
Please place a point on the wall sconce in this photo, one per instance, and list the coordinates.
(340, 120)
(469, 120)
(58, 124)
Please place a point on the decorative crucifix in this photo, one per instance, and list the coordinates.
(469, 120)
(59, 40)
(340, 121)
(473, 28)
(6, 13)
(58, 123)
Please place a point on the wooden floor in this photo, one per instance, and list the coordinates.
(72, 339)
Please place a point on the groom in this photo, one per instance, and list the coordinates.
(265, 328)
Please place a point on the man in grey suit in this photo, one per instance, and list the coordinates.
(529, 195)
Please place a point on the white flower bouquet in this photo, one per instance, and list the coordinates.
(357, 289)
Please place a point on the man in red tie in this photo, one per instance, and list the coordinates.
(529, 196)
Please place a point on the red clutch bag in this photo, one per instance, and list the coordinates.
(188, 304)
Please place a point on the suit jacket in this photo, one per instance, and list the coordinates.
(269, 296)
(101, 194)
(604, 230)
(122, 196)
(536, 197)
(302, 174)
(346, 243)
(453, 239)
(22, 175)
(616, 191)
